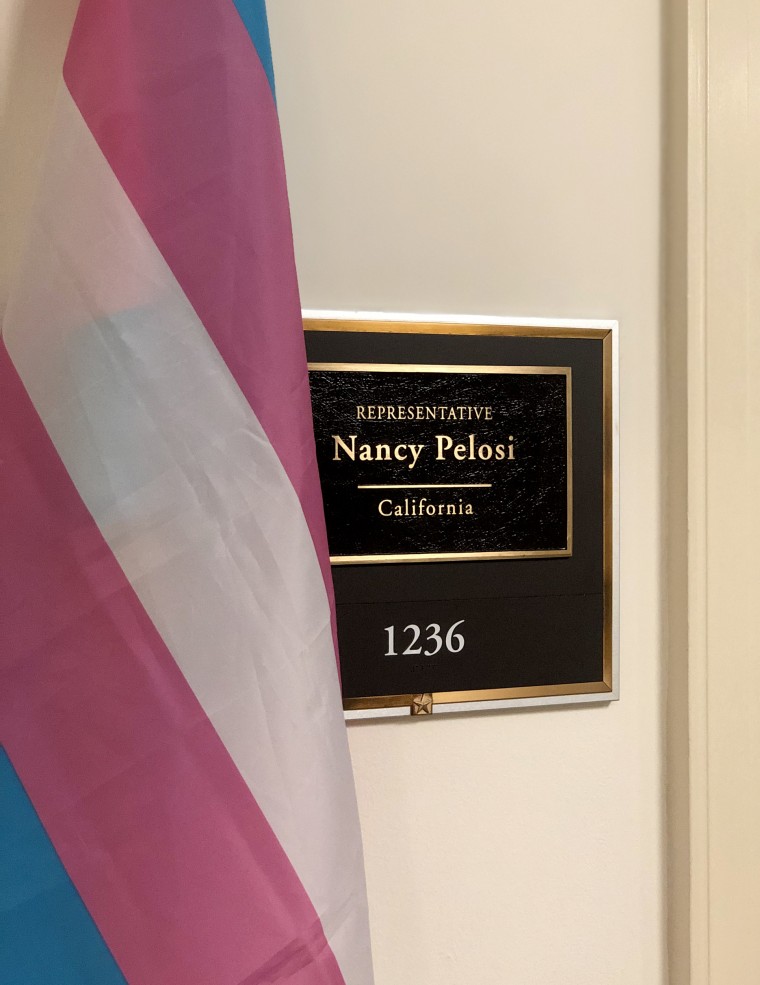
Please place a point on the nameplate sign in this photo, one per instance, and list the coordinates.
(444, 462)
(469, 479)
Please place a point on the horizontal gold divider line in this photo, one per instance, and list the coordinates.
(423, 558)
(435, 485)
(462, 368)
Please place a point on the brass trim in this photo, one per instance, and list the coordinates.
(448, 328)
(608, 494)
(378, 701)
(424, 558)
(439, 368)
(569, 444)
(504, 693)
(475, 696)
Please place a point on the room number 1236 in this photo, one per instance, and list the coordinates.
(451, 641)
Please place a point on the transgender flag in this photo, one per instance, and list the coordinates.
(177, 801)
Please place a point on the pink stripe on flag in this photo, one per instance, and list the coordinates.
(168, 849)
(179, 103)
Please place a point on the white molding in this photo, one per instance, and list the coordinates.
(696, 422)
(721, 309)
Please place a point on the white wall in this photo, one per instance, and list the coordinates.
(496, 157)
(501, 157)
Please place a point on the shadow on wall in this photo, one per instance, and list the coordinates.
(37, 32)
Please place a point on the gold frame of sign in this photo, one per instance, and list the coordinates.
(430, 702)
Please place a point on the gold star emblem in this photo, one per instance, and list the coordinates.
(422, 704)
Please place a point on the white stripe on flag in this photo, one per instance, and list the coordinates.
(191, 497)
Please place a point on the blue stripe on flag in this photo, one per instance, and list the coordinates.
(46, 934)
(253, 13)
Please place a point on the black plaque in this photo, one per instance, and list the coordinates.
(414, 424)
(431, 463)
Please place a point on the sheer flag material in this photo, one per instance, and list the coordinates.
(177, 799)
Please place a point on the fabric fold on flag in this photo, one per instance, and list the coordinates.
(169, 696)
